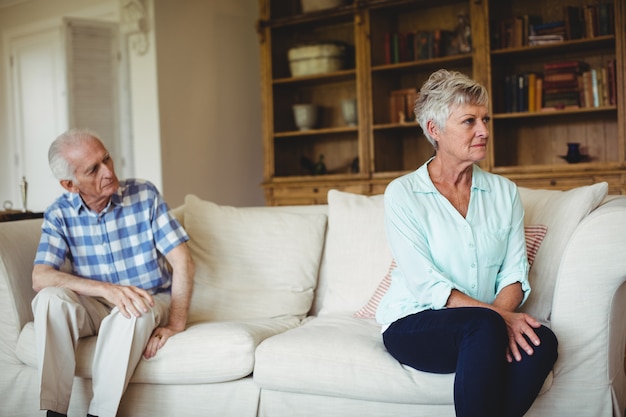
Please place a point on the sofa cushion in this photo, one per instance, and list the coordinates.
(204, 353)
(534, 235)
(560, 211)
(252, 262)
(356, 253)
(339, 355)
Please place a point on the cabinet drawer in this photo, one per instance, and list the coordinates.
(311, 193)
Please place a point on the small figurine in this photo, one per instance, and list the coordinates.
(24, 191)
(463, 33)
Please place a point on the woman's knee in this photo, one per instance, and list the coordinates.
(487, 322)
(548, 347)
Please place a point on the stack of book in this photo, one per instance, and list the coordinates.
(589, 21)
(522, 92)
(599, 86)
(550, 32)
(414, 46)
(578, 22)
(514, 32)
(562, 84)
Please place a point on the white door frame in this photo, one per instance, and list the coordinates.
(54, 28)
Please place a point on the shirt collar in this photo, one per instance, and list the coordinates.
(423, 184)
(117, 199)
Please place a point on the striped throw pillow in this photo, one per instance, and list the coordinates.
(534, 235)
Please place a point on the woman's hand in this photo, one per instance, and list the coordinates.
(520, 327)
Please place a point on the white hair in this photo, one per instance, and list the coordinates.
(443, 90)
(60, 166)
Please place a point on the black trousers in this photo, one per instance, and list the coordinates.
(472, 342)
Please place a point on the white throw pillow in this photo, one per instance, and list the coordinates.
(560, 211)
(252, 262)
(356, 253)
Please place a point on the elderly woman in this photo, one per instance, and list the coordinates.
(457, 234)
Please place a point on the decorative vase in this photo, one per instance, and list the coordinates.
(573, 153)
(348, 110)
(305, 116)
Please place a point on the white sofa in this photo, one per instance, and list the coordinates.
(273, 330)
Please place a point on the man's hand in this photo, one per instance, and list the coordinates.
(159, 337)
(128, 299)
(182, 286)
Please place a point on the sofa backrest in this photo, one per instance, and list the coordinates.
(357, 258)
(18, 245)
(252, 262)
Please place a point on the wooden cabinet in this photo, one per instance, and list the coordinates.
(391, 48)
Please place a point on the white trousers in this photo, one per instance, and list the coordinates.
(61, 318)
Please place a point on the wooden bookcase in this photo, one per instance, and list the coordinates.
(525, 146)
(528, 146)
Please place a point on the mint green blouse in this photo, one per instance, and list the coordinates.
(437, 250)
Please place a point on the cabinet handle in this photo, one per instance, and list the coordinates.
(553, 182)
(315, 190)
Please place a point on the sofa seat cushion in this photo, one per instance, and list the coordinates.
(208, 352)
(344, 356)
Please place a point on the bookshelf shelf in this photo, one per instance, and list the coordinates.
(431, 64)
(576, 45)
(315, 132)
(317, 79)
(554, 113)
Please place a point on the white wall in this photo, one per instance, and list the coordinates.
(195, 99)
(33, 16)
(210, 100)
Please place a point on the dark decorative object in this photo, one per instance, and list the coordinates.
(320, 166)
(573, 154)
(354, 166)
(314, 168)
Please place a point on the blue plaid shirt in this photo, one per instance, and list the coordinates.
(125, 244)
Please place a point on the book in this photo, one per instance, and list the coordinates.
(532, 78)
(574, 22)
(611, 82)
(401, 104)
(538, 94)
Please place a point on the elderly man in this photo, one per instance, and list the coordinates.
(115, 240)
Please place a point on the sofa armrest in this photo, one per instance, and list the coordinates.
(18, 245)
(589, 303)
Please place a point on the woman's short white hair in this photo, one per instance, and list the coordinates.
(60, 166)
(443, 90)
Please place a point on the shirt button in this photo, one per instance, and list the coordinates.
(473, 265)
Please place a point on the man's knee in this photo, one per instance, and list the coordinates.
(54, 296)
